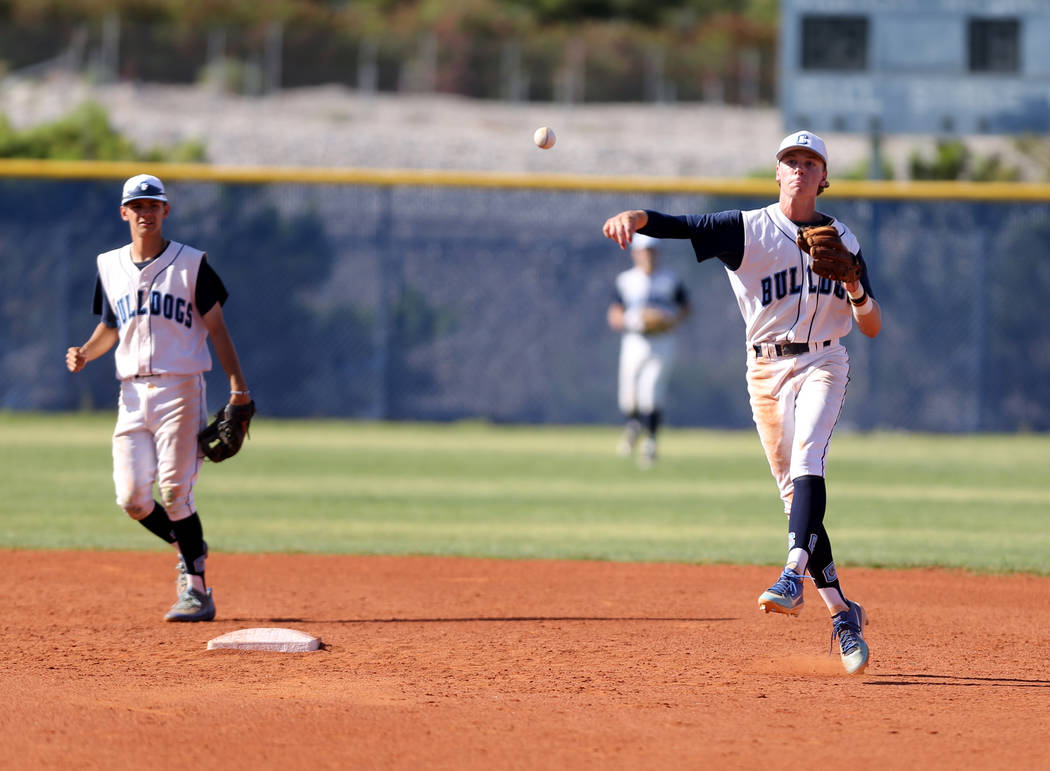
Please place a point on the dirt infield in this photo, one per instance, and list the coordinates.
(472, 664)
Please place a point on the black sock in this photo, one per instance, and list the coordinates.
(157, 522)
(190, 536)
(651, 421)
(806, 519)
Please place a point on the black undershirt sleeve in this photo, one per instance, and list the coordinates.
(719, 235)
(681, 295)
(210, 289)
(100, 305)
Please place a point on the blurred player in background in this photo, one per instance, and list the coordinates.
(648, 303)
(797, 368)
(160, 302)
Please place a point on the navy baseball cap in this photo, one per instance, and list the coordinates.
(143, 186)
(805, 140)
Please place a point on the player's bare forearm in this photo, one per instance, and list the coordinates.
(869, 322)
(615, 317)
(622, 227)
(226, 353)
(102, 339)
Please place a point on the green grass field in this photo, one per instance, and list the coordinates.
(895, 500)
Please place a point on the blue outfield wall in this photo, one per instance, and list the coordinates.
(442, 299)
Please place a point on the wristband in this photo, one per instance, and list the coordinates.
(858, 301)
(241, 393)
(865, 309)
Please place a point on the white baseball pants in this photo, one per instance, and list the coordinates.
(795, 402)
(155, 442)
(645, 370)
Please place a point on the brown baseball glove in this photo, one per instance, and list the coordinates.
(655, 320)
(830, 257)
(223, 437)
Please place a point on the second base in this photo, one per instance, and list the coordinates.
(266, 639)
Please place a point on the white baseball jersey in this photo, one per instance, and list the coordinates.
(636, 290)
(780, 297)
(160, 330)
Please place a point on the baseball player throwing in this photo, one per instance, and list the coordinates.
(160, 301)
(797, 368)
(648, 303)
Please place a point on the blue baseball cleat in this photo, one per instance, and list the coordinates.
(785, 596)
(848, 627)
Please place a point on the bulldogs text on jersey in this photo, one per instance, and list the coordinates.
(781, 299)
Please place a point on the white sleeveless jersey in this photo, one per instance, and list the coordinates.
(160, 331)
(780, 298)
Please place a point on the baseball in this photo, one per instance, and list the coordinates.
(544, 137)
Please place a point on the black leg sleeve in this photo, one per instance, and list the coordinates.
(190, 536)
(822, 563)
(806, 518)
(157, 522)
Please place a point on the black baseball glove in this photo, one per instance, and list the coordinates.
(830, 257)
(223, 437)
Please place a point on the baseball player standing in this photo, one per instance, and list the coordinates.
(648, 303)
(797, 368)
(160, 301)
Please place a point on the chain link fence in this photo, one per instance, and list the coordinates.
(430, 302)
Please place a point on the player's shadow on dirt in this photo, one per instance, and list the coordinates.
(958, 681)
(473, 620)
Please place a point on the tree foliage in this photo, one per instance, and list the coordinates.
(85, 134)
(952, 159)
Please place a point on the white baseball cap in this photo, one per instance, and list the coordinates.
(642, 241)
(807, 140)
(143, 186)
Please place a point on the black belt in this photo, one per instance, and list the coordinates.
(791, 349)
